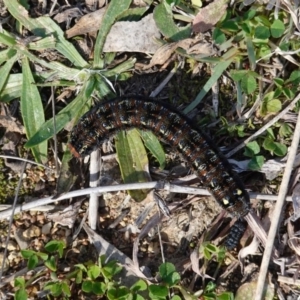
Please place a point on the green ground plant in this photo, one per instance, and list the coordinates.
(98, 278)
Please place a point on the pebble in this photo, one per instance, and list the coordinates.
(32, 231)
(47, 228)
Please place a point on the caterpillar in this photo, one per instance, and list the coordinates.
(172, 127)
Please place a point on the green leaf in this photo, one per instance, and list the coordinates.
(158, 291)
(5, 71)
(133, 14)
(246, 27)
(263, 20)
(46, 43)
(154, 146)
(32, 111)
(294, 77)
(256, 163)
(78, 278)
(87, 286)
(166, 269)
(65, 289)
(81, 267)
(285, 130)
(270, 134)
(51, 264)
(111, 269)
(226, 296)
(120, 293)
(21, 294)
(269, 96)
(133, 160)
(263, 51)
(211, 248)
(238, 75)
(42, 255)
(268, 144)
(27, 253)
(273, 105)
(279, 149)
(99, 288)
(277, 28)
(93, 272)
(218, 36)
(115, 8)
(54, 246)
(262, 32)
(251, 149)
(251, 52)
(163, 18)
(75, 108)
(32, 262)
(278, 82)
(168, 274)
(140, 285)
(248, 84)
(206, 254)
(7, 40)
(230, 25)
(45, 27)
(217, 72)
(210, 287)
(278, 92)
(120, 68)
(289, 93)
(54, 287)
(19, 282)
(248, 15)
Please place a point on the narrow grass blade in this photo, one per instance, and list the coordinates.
(218, 71)
(133, 160)
(74, 109)
(154, 146)
(115, 8)
(251, 53)
(163, 17)
(32, 111)
(6, 54)
(5, 70)
(45, 26)
(12, 88)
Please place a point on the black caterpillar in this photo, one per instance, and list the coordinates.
(172, 127)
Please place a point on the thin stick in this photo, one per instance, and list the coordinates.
(5, 210)
(277, 211)
(94, 182)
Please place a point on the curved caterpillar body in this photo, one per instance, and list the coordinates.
(172, 127)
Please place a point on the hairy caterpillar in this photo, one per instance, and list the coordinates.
(172, 127)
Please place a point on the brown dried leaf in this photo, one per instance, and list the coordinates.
(164, 53)
(209, 16)
(87, 24)
(67, 15)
